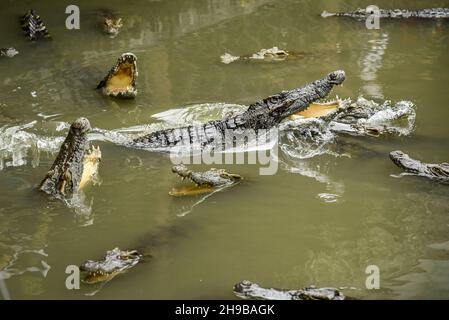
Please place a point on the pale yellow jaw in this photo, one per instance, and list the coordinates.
(190, 191)
(316, 110)
(90, 167)
(122, 80)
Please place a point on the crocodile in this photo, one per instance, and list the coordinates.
(109, 22)
(205, 181)
(262, 115)
(249, 290)
(363, 14)
(120, 82)
(362, 117)
(438, 172)
(33, 26)
(8, 52)
(75, 165)
(268, 55)
(115, 262)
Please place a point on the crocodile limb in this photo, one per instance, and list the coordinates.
(363, 14)
(437, 172)
(249, 290)
(264, 114)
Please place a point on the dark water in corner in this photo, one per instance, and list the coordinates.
(274, 230)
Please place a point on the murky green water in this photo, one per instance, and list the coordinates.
(274, 230)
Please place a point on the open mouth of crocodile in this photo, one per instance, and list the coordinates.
(319, 109)
(204, 181)
(121, 79)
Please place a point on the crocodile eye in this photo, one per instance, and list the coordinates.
(273, 100)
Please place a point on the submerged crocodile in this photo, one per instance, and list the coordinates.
(8, 52)
(272, 54)
(109, 22)
(205, 181)
(120, 82)
(437, 172)
(115, 262)
(33, 26)
(262, 115)
(74, 165)
(249, 290)
(363, 14)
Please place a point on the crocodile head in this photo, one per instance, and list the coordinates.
(403, 161)
(114, 263)
(112, 25)
(204, 181)
(287, 103)
(121, 80)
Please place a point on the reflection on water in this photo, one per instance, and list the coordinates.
(342, 211)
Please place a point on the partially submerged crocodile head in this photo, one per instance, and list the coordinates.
(112, 25)
(121, 80)
(8, 52)
(115, 262)
(249, 290)
(205, 181)
(73, 166)
(439, 172)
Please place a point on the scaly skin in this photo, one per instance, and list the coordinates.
(362, 14)
(8, 52)
(120, 82)
(248, 290)
(115, 262)
(438, 172)
(73, 167)
(263, 114)
(33, 26)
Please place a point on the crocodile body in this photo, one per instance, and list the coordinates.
(438, 172)
(249, 290)
(73, 165)
(120, 82)
(8, 52)
(33, 26)
(262, 115)
(363, 14)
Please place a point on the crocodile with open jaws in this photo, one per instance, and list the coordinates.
(205, 181)
(268, 55)
(33, 26)
(115, 262)
(262, 115)
(249, 290)
(74, 165)
(437, 172)
(120, 82)
(363, 14)
(8, 52)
